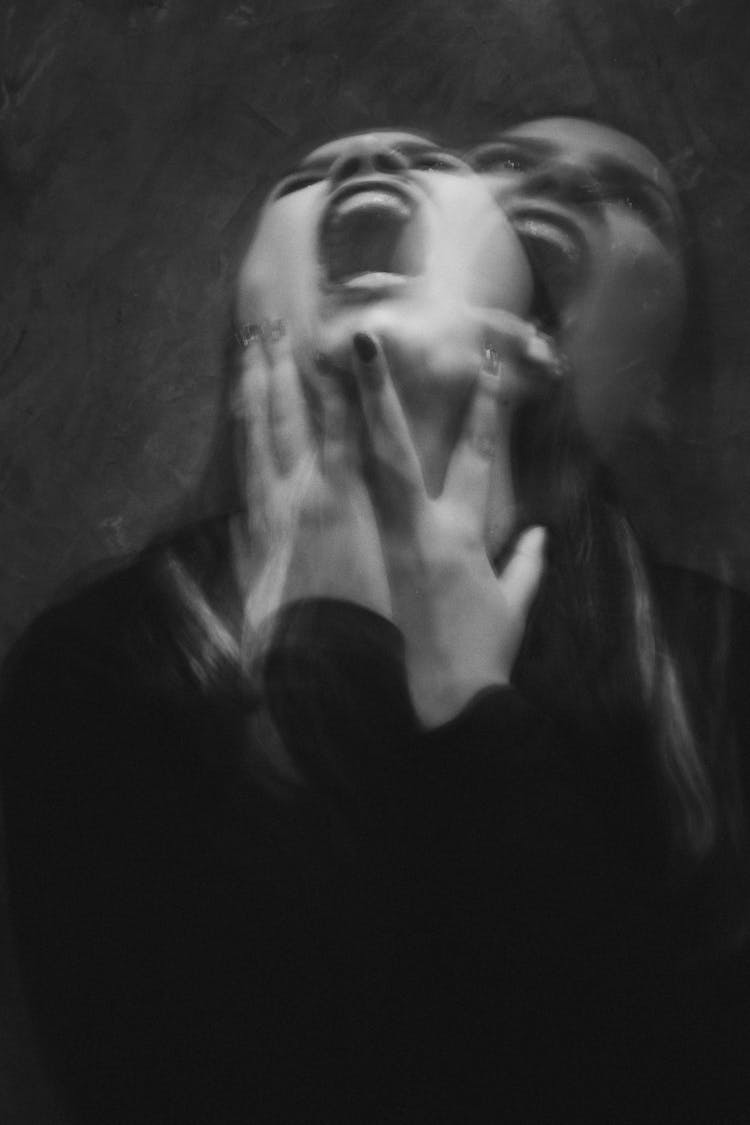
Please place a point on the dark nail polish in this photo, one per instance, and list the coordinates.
(365, 347)
(326, 366)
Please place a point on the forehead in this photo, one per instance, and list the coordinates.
(389, 138)
(591, 144)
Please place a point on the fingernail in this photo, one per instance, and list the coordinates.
(323, 363)
(365, 347)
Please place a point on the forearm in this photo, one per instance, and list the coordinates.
(335, 685)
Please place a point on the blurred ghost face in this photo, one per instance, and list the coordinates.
(386, 233)
(600, 221)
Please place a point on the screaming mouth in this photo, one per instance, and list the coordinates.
(557, 258)
(371, 237)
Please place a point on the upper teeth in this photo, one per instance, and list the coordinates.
(373, 197)
(549, 231)
(380, 279)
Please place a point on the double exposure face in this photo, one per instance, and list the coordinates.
(600, 220)
(387, 233)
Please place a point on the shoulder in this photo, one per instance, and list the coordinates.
(690, 595)
(120, 627)
(107, 735)
(707, 624)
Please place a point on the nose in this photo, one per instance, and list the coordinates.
(365, 156)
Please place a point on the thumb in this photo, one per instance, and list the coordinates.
(523, 573)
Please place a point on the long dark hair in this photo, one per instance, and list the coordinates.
(601, 655)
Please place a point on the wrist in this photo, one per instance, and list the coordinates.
(439, 696)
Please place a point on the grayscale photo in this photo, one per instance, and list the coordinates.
(375, 571)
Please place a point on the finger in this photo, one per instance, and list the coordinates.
(522, 575)
(515, 338)
(287, 408)
(468, 475)
(536, 354)
(340, 452)
(390, 438)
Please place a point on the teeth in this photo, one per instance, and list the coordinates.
(375, 280)
(547, 231)
(372, 200)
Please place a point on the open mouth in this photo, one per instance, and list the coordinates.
(557, 255)
(371, 236)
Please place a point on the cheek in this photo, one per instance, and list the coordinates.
(503, 184)
(646, 275)
(646, 310)
(635, 300)
(279, 275)
(475, 257)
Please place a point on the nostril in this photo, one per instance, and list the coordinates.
(349, 166)
(387, 160)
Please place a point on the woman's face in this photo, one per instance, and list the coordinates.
(386, 233)
(600, 221)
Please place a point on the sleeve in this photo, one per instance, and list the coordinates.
(149, 944)
(533, 852)
(335, 684)
(176, 918)
(108, 809)
(504, 818)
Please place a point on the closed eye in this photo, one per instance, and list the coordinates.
(433, 160)
(503, 156)
(651, 206)
(295, 182)
(621, 187)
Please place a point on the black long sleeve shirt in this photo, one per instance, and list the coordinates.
(302, 906)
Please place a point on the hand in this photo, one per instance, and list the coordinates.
(463, 624)
(311, 529)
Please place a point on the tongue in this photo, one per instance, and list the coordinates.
(368, 235)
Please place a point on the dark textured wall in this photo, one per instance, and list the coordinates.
(136, 141)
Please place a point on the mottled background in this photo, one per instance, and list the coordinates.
(137, 138)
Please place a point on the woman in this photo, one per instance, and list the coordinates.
(285, 842)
